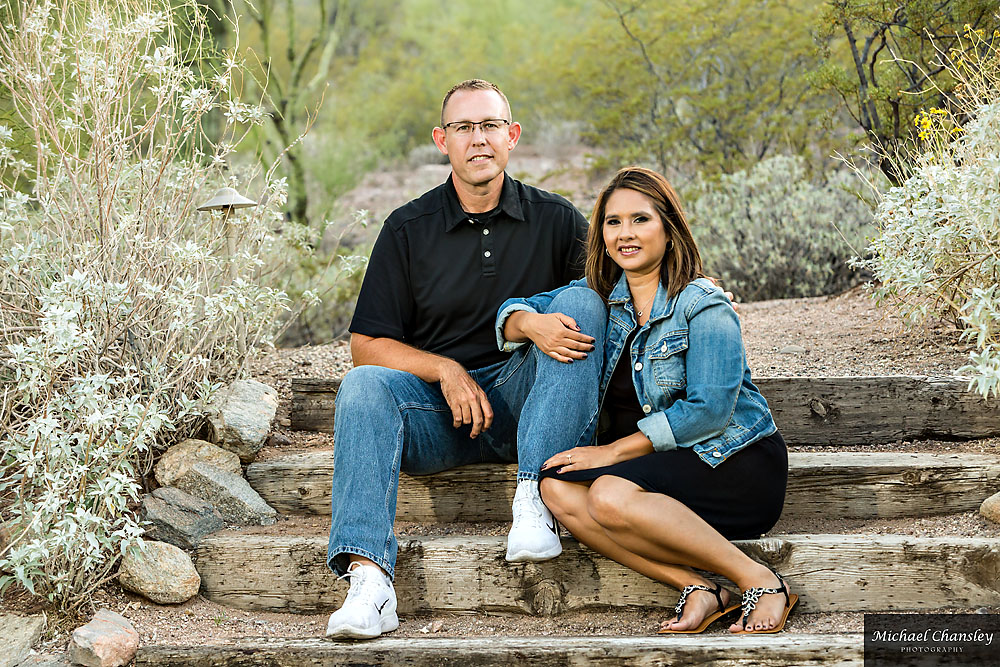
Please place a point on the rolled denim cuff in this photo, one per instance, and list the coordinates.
(506, 345)
(657, 429)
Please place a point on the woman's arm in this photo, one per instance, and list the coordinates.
(586, 458)
(520, 321)
(714, 364)
(555, 334)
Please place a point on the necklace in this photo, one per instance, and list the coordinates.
(648, 304)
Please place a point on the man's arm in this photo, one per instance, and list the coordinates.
(466, 399)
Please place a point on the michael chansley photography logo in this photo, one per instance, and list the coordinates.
(932, 639)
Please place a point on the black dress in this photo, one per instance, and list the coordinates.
(741, 498)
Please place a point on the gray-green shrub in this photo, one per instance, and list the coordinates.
(771, 232)
(122, 308)
(937, 252)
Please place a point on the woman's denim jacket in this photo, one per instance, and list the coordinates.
(688, 368)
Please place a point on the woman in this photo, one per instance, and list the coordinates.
(691, 458)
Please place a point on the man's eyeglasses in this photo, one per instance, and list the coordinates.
(465, 128)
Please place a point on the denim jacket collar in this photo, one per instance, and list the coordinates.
(663, 305)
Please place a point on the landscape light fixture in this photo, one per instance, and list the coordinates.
(227, 200)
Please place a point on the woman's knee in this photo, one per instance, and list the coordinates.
(608, 500)
(556, 494)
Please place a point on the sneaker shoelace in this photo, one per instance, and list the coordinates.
(528, 509)
(363, 585)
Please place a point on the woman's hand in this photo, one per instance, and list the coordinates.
(582, 458)
(555, 334)
(587, 458)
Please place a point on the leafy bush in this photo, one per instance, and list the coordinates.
(769, 232)
(121, 307)
(324, 280)
(938, 240)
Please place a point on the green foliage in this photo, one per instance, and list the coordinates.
(390, 95)
(709, 85)
(770, 232)
(323, 277)
(292, 49)
(893, 65)
(939, 231)
(121, 307)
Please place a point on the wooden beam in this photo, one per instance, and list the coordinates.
(807, 410)
(806, 650)
(313, 404)
(842, 484)
(829, 572)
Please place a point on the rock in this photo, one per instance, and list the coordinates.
(179, 518)
(161, 572)
(232, 495)
(991, 508)
(109, 640)
(17, 635)
(278, 440)
(240, 417)
(792, 349)
(176, 461)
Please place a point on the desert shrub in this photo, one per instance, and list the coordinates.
(122, 309)
(936, 252)
(324, 280)
(771, 232)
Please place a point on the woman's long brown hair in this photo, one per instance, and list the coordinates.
(682, 261)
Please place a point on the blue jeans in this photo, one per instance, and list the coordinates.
(387, 421)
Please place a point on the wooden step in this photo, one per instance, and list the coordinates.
(808, 410)
(850, 485)
(830, 573)
(691, 650)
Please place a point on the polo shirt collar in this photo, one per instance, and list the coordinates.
(510, 203)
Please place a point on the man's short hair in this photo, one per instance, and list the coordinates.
(475, 84)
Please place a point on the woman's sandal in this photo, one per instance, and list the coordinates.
(752, 595)
(711, 618)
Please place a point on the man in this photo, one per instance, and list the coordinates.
(431, 389)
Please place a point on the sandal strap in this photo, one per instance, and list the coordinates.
(751, 597)
(687, 590)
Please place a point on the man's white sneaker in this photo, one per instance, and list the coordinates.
(370, 607)
(534, 535)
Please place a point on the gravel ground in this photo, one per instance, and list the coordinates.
(843, 335)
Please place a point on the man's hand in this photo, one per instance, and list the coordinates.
(556, 334)
(466, 399)
(729, 295)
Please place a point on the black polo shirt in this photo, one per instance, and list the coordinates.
(437, 275)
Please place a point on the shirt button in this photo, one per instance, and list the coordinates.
(487, 253)
(486, 232)
(717, 455)
(647, 408)
(638, 365)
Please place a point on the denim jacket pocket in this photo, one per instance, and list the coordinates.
(667, 359)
